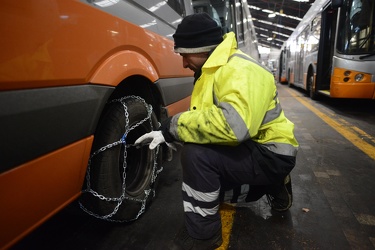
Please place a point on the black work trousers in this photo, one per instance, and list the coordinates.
(212, 173)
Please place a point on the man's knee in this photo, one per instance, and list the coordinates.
(191, 153)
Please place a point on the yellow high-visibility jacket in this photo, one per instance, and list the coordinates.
(234, 100)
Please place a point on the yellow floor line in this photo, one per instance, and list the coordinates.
(227, 215)
(344, 128)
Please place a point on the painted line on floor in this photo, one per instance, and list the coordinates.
(349, 131)
(227, 212)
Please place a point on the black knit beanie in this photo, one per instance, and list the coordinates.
(197, 33)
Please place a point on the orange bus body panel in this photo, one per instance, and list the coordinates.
(66, 43)
(350, 88)
(58, 43)
(65, 168)
(122, 65)
(291, 79)
(179, 106)
(283, 79)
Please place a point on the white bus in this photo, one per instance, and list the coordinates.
(332, 50)
(233, 16)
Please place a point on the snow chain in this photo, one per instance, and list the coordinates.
(122, 140)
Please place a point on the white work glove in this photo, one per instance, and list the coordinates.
(154, 138)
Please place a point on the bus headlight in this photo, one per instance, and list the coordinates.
(350, 76)
(359, 77)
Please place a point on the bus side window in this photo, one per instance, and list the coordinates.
(178, 6)
(224, 13)
(240, 29)
(315, 33)
(206, 6)
(221, 11)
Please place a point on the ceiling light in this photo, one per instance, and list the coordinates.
(280, 34)
(270, 11)
(271, 15)
(267, 11)
(269, 38)
(106, 3)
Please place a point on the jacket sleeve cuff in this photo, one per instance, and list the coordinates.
(164, 128)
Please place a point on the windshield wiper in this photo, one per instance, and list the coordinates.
(368, 55)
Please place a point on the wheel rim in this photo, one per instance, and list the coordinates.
(139, 164)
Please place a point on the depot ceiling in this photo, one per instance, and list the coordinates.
(275, 20)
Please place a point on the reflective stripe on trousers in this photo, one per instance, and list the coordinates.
(209, 170)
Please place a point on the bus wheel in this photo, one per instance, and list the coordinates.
(121, 179)
(310, 87)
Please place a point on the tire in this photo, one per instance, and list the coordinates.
(310, 87)
(116, 200)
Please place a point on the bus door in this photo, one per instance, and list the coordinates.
(326, 49)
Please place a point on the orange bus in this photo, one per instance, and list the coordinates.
(72, 69)
(80, 80)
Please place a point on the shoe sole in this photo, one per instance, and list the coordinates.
(287, 180)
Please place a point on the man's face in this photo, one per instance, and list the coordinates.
(194, 61)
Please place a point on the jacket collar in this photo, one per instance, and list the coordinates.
(222, 52)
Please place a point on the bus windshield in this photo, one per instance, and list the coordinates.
(356, 33)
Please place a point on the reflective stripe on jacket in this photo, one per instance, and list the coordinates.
(234, 100)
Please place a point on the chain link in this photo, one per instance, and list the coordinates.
(155, 170)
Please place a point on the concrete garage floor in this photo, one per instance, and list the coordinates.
(334, 206)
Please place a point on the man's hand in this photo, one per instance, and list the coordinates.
(154, 138)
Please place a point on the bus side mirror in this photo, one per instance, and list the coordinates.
(336, 4)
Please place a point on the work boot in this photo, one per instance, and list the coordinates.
(184, 241)
(256, 192)
(280, 197)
